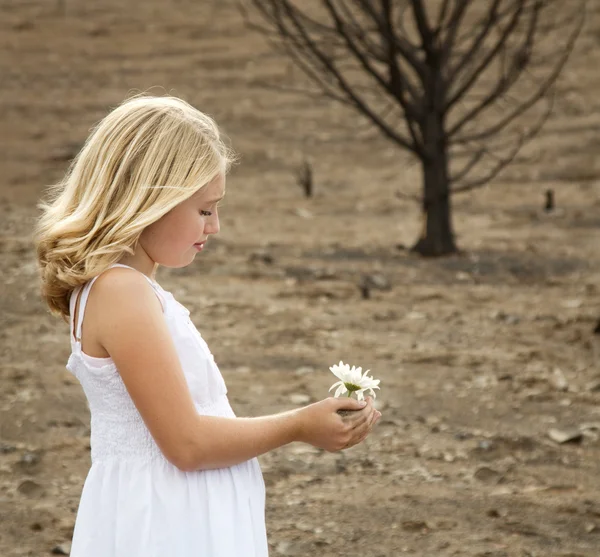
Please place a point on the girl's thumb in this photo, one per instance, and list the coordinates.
(351, 404)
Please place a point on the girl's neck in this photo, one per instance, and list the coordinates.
(148, 268)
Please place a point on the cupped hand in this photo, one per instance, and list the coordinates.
(322, 427)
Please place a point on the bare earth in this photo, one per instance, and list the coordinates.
(479, 355)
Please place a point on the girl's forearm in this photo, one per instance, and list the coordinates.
(220, 442)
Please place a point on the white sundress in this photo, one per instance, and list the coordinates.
(134, 502)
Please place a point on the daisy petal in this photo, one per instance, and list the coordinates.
(340, 390)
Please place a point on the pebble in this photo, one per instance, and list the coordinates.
(299, 398)
(62, 549)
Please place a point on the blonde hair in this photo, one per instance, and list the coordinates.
(145, 157)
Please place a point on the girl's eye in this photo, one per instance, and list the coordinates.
(206, 213)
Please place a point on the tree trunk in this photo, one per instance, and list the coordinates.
(437, 236)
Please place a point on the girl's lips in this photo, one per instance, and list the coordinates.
(199, 246)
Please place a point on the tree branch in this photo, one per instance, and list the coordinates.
(506, 33)
(330, 69)
(524, 105)
(505, 161)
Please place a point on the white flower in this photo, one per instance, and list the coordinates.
(353, 381)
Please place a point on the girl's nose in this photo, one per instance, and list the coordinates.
(212, 226)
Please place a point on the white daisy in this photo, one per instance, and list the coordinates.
(352, 380)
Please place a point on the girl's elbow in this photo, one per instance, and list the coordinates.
(182, 457)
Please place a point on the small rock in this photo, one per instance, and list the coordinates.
(62, 549)
(484, 445)
(558, 380)
(593, 386)
(299, 398)
(505, 317)
(415, 315)
(30, 460)
(303, 213)
(243, 369)
(487, 475)
(262, 257)
(572, 435)
(377, 281)
(414, 525)
(31, 489)
(304, 370)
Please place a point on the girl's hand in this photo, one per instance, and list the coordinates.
(322, 427)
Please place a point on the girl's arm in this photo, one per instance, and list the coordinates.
(131, 327)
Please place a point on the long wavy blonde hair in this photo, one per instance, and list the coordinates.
(145, 157)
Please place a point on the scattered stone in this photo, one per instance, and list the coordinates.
(387, 315)
(299, 398)
(591, 430)
(558, 380)
(30, 488)
(30, 460)
(593, 386)
(62, 549)
(304, 370)
(505, 317)
(487, 475)
(303, 213)
(415, 315)
(573, 435)
(261, 257)
(414, 525)
(36, 527)
(377, 281)
(572, 304)
(243, 369)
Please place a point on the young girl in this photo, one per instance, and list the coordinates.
(174, 472)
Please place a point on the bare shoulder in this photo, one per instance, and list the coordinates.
(124, 301)
(135, 334)
(118, 286)
(117, 294)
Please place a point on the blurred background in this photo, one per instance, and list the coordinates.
(488, 357)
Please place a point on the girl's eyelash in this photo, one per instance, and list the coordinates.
(209, 213)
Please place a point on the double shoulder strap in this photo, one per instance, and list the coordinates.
(82, 300)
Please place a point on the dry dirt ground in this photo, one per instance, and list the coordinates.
(480, 355)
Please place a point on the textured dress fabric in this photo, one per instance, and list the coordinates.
(134, 502)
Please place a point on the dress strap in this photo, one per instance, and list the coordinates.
(85, 292)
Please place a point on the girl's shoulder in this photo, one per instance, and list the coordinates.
(123, 285)
(116, 294)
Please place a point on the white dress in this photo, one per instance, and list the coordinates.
(134, 502)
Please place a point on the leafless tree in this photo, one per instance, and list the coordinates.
(446, 80)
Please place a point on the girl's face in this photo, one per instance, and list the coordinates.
(176, 238)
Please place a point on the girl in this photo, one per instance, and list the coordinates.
(174, 471)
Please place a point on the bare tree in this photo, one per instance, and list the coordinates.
(446, 80)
